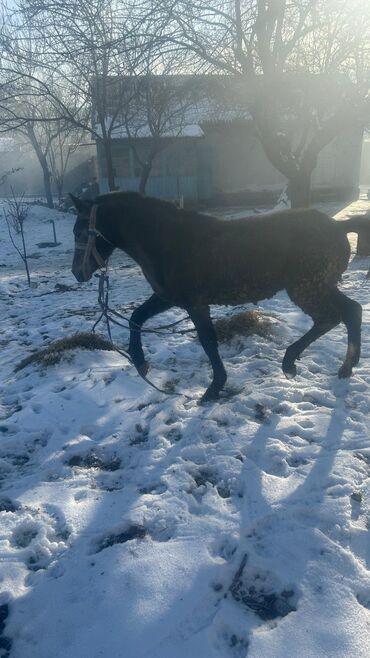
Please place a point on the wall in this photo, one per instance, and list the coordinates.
(338, 167)
(229, 162)
(237, 160)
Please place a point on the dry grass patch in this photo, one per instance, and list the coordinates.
(245, 323)
(54, 352)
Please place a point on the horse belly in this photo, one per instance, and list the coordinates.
(244, 293)
(240, 288)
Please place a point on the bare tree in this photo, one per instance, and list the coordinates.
(27, 106)
(83, 50)
(15, 216)
(154, 114)
(284, 51)
(66, 142)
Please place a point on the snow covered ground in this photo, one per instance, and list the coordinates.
(139, 525)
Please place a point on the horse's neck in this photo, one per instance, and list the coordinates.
(134, 237)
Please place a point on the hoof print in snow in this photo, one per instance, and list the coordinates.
(5, 646)
(259, 591)
(91, 460)
(295, 461)
(363, 456)
(231, 644)
(37, 536)
(131, 532)
(4, 614)
(261, 413)
(205, 476)
(364, 599)
(18, 460)
(10, 410)
(141, 435)
(8, 505)
(239, 645)
(24, 534)
(155, 489)
(174, 435)
(5, 642)
(225, 547)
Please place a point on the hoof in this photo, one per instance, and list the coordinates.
(143, 368)
(209, 396)
(290, 371)
(345, 371)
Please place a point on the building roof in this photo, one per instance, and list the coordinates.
(186, 103)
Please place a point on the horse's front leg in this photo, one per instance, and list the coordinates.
(208, 340)
(151, 307)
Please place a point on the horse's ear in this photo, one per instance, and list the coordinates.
(81, 204)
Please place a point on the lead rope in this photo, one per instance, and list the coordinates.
(103, 300)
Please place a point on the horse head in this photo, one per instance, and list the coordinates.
(92, 249)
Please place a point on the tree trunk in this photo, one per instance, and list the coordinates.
(299, 189)
(44, 164)
(47, 184)
(145, 172)
(109, 164)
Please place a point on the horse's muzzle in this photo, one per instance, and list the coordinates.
(81, 276)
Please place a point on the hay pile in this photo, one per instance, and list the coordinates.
(245, 323)
(54, 352)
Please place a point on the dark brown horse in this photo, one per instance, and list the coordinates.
(193, 260)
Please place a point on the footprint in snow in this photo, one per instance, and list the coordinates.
(8, 505)
(7, 411)
(5, 642)
(207, 476)
(120, 535)
(160, 529)
(37, 535)
(364, 599)
(295, 461)
(356, 500)
(224, 547)
(231, 643)
(259, 591)
(90, 460)
(24, 533)
(155, 489)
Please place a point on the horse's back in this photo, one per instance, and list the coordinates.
(235, 261)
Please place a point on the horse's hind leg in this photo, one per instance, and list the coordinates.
(151, 307)
(351, 314)
(326, 314)
(208, 339)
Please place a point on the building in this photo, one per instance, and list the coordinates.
(210, 151)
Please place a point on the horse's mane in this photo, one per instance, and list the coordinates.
(134, 199)
(163, 211)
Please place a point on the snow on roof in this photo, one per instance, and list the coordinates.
(143, 132)
(200, 100)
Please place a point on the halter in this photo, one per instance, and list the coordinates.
(89, 248)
